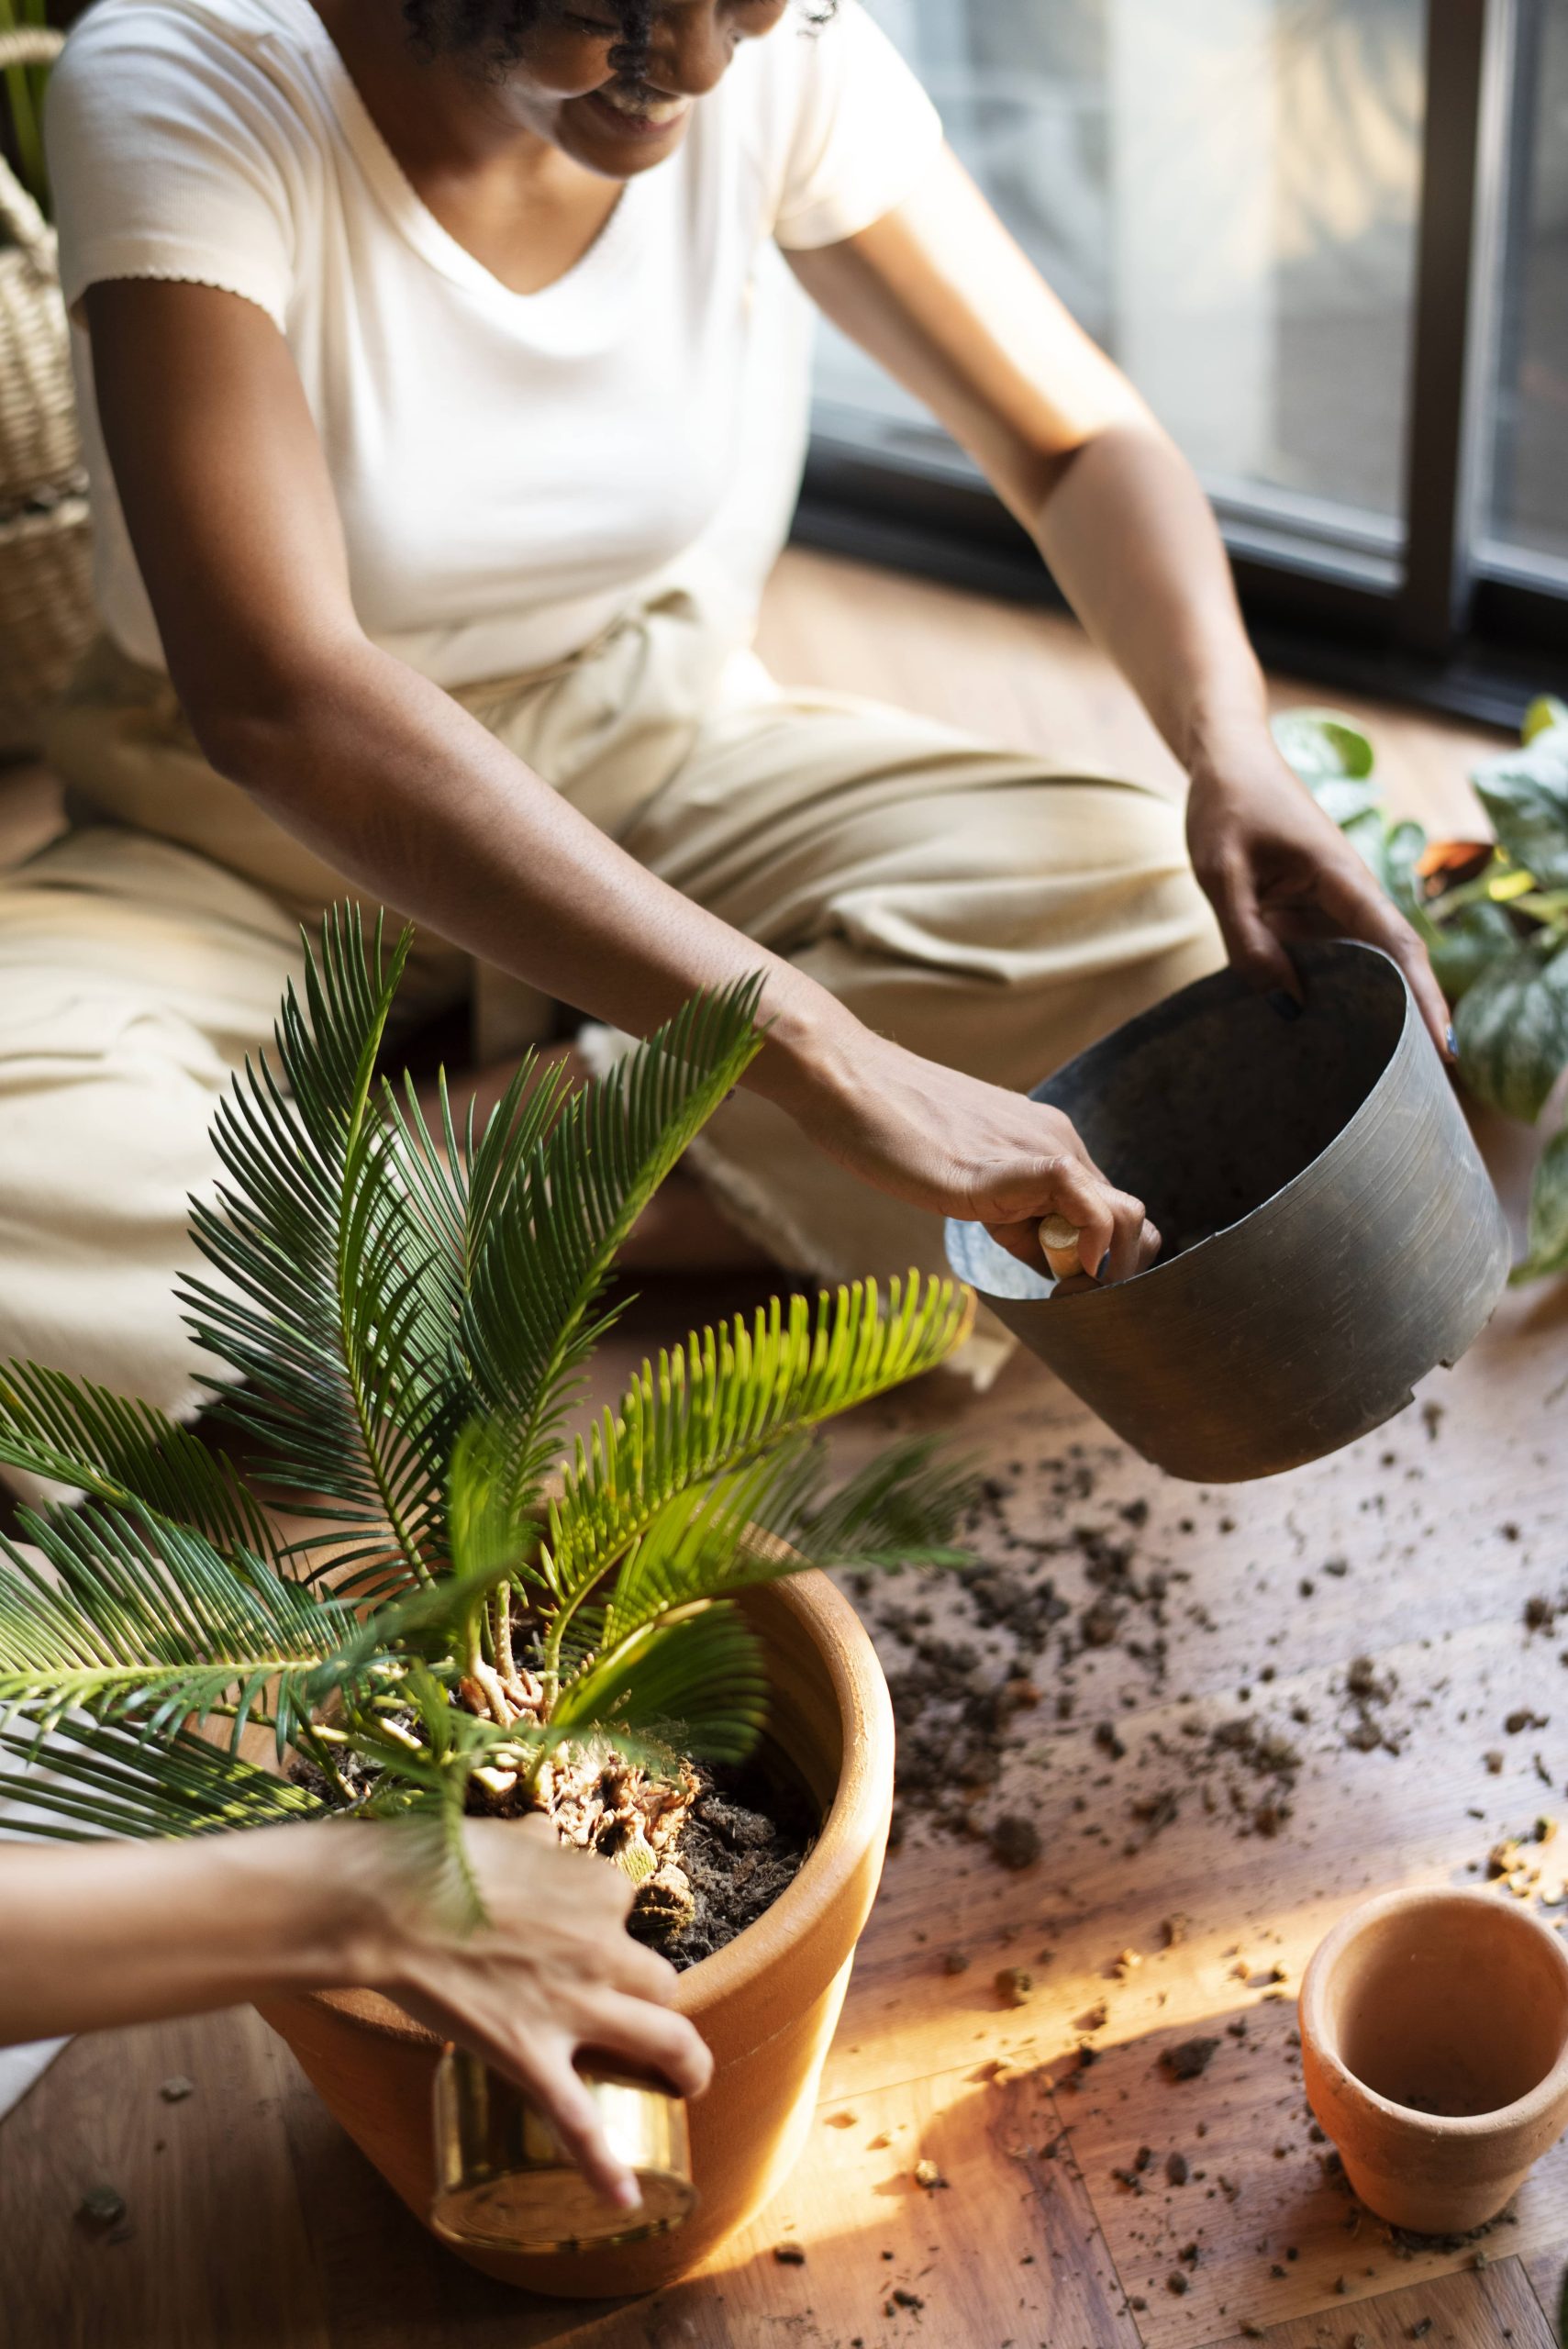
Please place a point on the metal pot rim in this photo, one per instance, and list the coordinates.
(1087, 1300)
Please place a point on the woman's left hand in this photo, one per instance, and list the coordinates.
(1275, 868)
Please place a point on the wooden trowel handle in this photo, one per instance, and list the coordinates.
(1060, 1240)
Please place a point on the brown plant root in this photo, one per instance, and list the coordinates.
(707, 1852)
(612, 1808)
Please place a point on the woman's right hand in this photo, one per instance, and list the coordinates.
(553, 1973)
(960, 1147)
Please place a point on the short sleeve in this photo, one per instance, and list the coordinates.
(168, 158)
(864, 131)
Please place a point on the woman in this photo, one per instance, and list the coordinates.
(443, 418)
(97, 1935)
(442, 400)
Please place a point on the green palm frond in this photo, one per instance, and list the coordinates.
(437, 1857)
(440, 1742)
(423, 1791)
(399, 1316)
(439, 1745)
(730, 1394)
(695, 1681)
(95, 1779)
(902, 1508)
(557, 1211)
(147, 1620)
(459, 1185)
(769, 1519)
(492, 1540)
(495, 1535)
(79, 1434)
(329, 1303)
(710, 1539)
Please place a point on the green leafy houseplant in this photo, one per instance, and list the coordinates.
(1492, 915)
(397, 1321)
(24, 87)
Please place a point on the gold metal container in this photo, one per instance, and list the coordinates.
(505, 2183)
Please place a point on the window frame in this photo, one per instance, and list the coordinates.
(1429, 612)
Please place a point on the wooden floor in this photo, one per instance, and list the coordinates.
(252, 2221)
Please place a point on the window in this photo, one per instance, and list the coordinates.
(1528, 503)
(1234, 197)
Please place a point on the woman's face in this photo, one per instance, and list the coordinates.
(564, 86)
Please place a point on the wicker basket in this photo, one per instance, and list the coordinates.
(45, 596)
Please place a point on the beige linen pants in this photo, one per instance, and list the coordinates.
(977, 906)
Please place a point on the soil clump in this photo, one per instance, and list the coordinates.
(744, 1842)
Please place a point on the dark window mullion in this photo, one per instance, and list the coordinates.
(1462, 180)
(1519, 166)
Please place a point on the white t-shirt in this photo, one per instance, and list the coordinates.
(511, 469)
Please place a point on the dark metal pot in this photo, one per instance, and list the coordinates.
(1331, 1232)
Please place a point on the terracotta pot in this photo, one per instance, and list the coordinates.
(1434, 2029)
(767, 2005)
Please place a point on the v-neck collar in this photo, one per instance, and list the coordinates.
(606, 260)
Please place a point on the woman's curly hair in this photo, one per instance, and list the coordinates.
(494, 32)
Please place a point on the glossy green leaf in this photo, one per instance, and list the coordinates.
(1525, 792)
(1545, 712)
(1367, 833)
(1345, 803)
(1548, 1213)
(1467, 945)
(1512, 1028)
(1321, 744)
(1402, 847)
(1463, 945)
(1333, 758)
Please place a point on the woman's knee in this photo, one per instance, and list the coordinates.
(105, 1107)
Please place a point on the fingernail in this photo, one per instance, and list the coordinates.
(1451, 1041)
(1104, 1266)
(628, 2194)
(1285, 1005)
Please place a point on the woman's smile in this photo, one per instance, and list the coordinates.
(638, 112)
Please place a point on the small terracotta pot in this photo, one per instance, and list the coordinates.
(767, 2004)
(1434, 2029)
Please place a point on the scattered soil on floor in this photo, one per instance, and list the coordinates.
(1189, 2060)
(1532, 1866)
(995, 1658)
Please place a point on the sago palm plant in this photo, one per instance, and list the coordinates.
(398, 1319)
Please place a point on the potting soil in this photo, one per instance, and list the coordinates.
(743, 1842)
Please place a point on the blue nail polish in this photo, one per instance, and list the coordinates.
(1285, 1005)
(1104, 1266)
(1451, 1041)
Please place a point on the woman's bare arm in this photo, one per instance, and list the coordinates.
(231, 510)
(941, 295)
(97, 1935)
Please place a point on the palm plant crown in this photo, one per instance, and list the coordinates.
(397, 1321)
